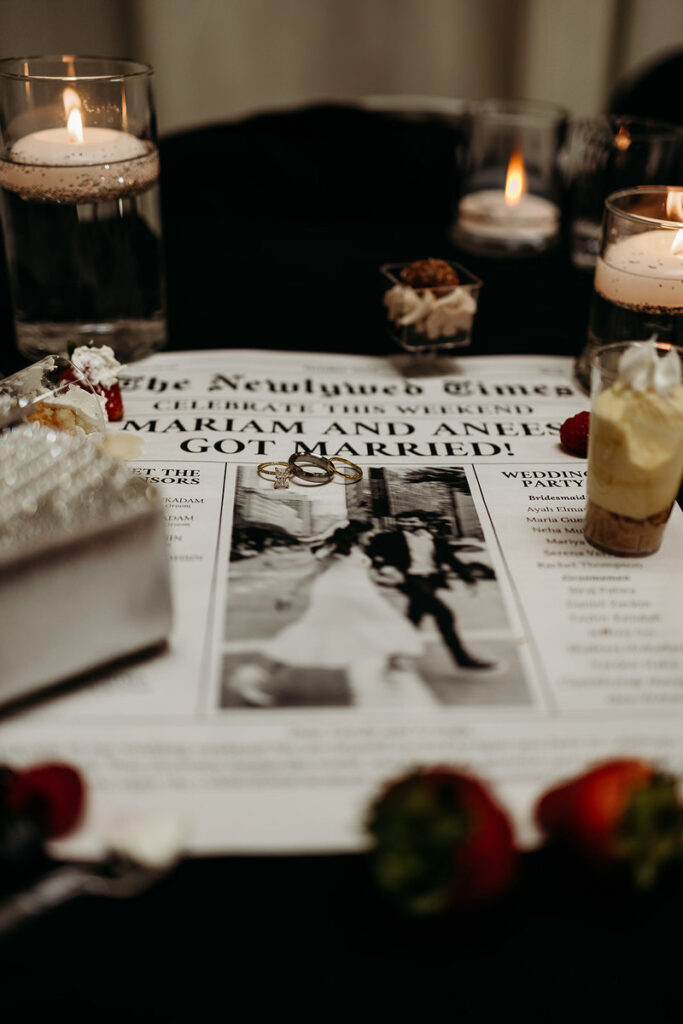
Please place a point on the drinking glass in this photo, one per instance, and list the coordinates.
(79, 185)
(638, 283)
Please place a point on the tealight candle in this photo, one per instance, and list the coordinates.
(488, 215)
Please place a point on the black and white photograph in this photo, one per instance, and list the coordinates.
(377, 593)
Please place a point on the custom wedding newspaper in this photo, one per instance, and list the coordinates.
(445, 608)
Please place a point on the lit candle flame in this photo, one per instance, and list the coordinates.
(674, 205)
(74, 119)
(515, 182)
(622, 140)
(674, 211)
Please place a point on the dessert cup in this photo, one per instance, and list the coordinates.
(635, 449)
(428, 319)
(53, 392)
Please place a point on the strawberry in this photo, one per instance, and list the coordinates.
(113, 401)
(440, 841)
(574, 434)
(112, 394)
(53, 794)
(620, 810)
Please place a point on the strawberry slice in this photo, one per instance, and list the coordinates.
(440, 841)
(52, 794)
(622, 810)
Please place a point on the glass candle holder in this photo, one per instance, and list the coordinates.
(638, 283)
(635, 446)
(604, 155)
(510, 185)
(79, 182)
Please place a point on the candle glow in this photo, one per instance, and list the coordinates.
(622, 140)
(74, 120)
(515, 181)
(674, 210)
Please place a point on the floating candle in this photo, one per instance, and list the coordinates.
(55, 147)
(78, 162)
(642, 271)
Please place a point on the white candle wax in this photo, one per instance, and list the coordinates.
(107, 164)
(487, 214)
(53, 147)
(641, 271)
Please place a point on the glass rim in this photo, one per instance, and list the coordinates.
(661, 129)
(130, 68)
(622, 346)
(641, 218)
(518, 110)
(472, 282)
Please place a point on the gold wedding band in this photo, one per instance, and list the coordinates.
(349, 477)
(283, 472)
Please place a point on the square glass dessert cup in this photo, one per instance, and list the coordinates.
(54, 392)
(635, 448)
(430, 318)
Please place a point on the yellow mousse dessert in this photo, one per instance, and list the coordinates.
(635, 452)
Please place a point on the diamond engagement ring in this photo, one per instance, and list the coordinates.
(279, 472)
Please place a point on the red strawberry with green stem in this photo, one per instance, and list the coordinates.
(619, 811)
(440, 841)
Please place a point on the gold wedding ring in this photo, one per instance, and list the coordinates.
(282, 472)
(350, 478)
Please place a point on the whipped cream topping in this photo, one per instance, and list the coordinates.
(99, 365)
(642, 369)
(434, 315)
